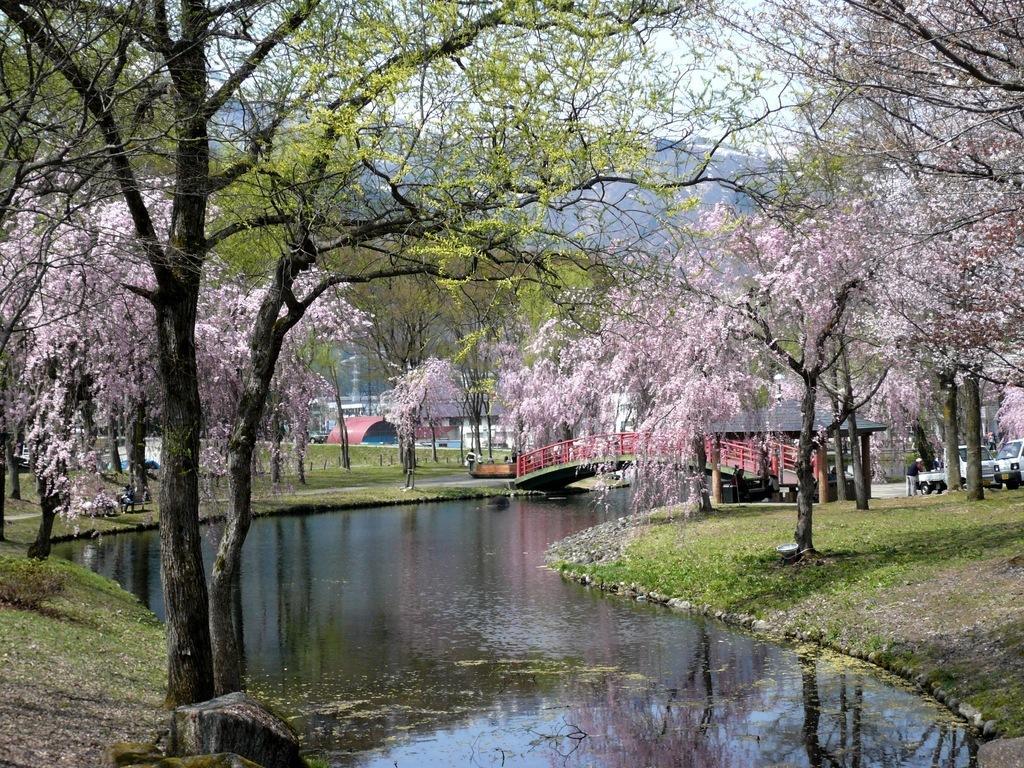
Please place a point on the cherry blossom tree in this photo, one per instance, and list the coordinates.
(363, 154)
(743, 294)
(419, 398)
(641, 355)
(82, 351)
(924, 101)
(1011, 412)
(797, 294)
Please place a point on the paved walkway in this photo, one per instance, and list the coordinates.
(888, 490)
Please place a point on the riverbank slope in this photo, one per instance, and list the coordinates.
(931, 587)
(82, 664)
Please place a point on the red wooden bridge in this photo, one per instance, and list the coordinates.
(560, 464)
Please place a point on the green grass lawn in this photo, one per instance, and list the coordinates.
(376, 475)
(728, 560)
(83, 663)
(933, 583)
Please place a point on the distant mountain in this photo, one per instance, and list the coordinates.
(638, 217)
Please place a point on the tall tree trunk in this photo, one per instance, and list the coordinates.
(13, 475)
(838, 442)
(113, 452)
(224, 628)
(346, 454)
(189, 657)
(406, 448)
(805, 470)
(860, 487)
(269, 331)
(300, 465)
(840, 467)
(490, 440)
(702, 502)
(3, 484)
(409, 462)
(951, 430)
(49, 503)
(972, 406)
(346, 459)
(276, 435)
(921, 444)
(224, 634)
(433, 442)
(137, 447)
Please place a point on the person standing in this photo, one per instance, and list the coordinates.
(912, 473)
(741, 483)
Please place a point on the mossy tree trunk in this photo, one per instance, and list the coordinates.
(804, 468)
(951, 430)
(13, 474)
(972, 408)
(113, 453)
(136, 447)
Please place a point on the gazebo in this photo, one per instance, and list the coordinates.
(782, 422)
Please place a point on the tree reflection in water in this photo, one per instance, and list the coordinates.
(430, 636)
(710, 720)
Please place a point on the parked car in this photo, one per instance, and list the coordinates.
(148, 464)
(936, 481)
(1009, 461)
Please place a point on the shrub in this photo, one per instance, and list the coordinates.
(28, 583)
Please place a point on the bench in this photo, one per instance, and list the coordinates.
(134, 505)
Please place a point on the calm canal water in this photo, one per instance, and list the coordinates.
(432, 636)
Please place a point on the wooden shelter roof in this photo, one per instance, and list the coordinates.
(785, 418)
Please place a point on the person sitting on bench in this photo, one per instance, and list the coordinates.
(127, 499)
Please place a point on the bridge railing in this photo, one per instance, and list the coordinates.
(749, 455)
(590, 449)
(594, 449)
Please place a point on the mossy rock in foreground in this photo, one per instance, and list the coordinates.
(132, 755)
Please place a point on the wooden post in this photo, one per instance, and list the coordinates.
(823, 497)
(865, 460)
(716, 470)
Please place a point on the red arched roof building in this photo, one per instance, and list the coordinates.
(366, 430)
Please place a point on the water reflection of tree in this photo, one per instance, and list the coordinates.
(694, 719)
(852, 733)
(812, 712)
(344, 607)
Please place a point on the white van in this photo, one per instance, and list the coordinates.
(1009, 461)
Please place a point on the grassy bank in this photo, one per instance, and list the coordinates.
(376, 478)
(932, 586)
(23, 531)
(83, 664)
